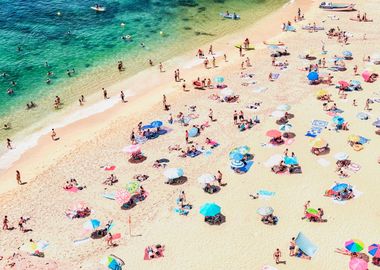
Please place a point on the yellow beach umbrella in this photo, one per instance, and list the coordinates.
(321, 93)
(318, 143)
(353, 138)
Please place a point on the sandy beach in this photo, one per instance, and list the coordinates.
(242, 241)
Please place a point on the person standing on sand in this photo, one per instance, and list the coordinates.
(277, 256)
(184, 85)
(53, 134)
(306, 206)
(210, 50)
(151, 62)
(366, 107)
(187, 137)
(241, 51)
(18, 177)
(213, 62)
(5, 223)
(225, 57)
(219, 177)
(161, 67)
(211, 115)
(9, 144)
(105, 94)
(292, 247)
(122, 96)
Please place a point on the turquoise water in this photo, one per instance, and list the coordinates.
(68, 34)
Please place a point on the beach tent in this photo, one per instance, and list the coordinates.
(306, 245)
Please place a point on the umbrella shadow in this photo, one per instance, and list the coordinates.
(178, 181)
(137, 161)
(289, 135)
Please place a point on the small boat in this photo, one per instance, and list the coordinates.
(98, 8)
(232, 16)
(337, 7)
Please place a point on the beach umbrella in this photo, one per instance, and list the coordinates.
(32, 247)
(347, 54)
(366, 75)
(156, 124)
(91, 224)
(219, 79)
(355, 83)
(133, 148)
(273, 133)
(206, 178)
(375, 58)
(283, 107)
(344, 84)
(341, 156)
(173, 173)
(353, 138)
(236, 155)
(339, 120)
(193, 132)
(285, 127)
(111, 263)
(354, 245)
(311, 212)
(362, 116)
(318, 143)
(340, 187)
(243, 149)
(265, 211)
(210, 209)
(376, 123)
(122, 196)
(227, 92)
(237, 164)
(374, 250)
(146, 127)
(358, 264)
(290, 161)
(313, 76)
(321, 93)
(132, 187)
(277, 114)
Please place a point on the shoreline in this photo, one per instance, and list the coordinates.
(9, 158)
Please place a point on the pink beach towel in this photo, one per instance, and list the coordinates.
(110, 168)
(72, 189)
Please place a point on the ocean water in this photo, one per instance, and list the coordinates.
(68, 34)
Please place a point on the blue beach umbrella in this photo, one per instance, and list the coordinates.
(147, 127)
(355, 83)
(339, 120)
(173, 173)
(290, 160)
(156, 124)
(340, 187)
(347, 54)
(237, 164)
(91, 224)
(313, 76)
(236, 155)
(210, 209)
(193, 132)
(219, 79)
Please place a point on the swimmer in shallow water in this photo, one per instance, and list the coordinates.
(142, 44)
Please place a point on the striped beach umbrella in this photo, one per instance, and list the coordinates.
(91, 224)
(354, 245)
(237, 164)
(374, 250)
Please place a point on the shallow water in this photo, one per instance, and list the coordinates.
(70, 35)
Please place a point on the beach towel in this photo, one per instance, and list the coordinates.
(289, 141)
(146, 255)
(317, 127)
(72, 189)
(246, 168)
(110, 196)
(109, 168)
(81, 241)
(306, 245)
(275, 76)
(291, 160)
(353, 167)
(363, 140)
(194, 154)
(266, 194)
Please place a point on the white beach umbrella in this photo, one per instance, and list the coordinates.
(227, 92)
(283, 107)
(173, 173)
(278, 114)
(341, 156)
(206, 178)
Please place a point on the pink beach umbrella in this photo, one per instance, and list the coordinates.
(358, 264)
(122, 196)
(344, 84)
(366, 75)
(133, 148)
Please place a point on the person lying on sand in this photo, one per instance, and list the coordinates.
(111, 180)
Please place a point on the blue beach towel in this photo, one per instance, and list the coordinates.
(193, 155)
(266, 193)
(246, 168)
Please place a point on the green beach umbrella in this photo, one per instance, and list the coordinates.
(132, 187)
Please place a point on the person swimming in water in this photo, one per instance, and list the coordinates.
(142, 44)
(10, 91)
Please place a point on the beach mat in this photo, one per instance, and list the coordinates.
(81, 241)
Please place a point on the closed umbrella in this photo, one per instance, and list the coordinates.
(210, 209)
(341, 156)
(273, 133)
(265, 211)
(156, 124)
(206, 178)
(133, 148)
(313, 76)
(318, 143)
(173, 173)
(122, 196)
(354, 245)
(283, 107)
(374, 250)
(91, 224)
(237, 164)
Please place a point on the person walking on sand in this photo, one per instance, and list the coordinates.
(21, 224)
(18, 177)
(219, 177)
(109, 240)
(213, 62)
(277, 256)
(292, 247)
(53, 134)
(211, 115)
(241, 51)
(225, 57)
(306, 206)
(366, 107)
(161, 67)
(122, 96)
(5, 223)
(235, 117)
(187, 136)
(355, 70)
(210, 50)
(184, 85)
(105, 94)
(9, 144)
